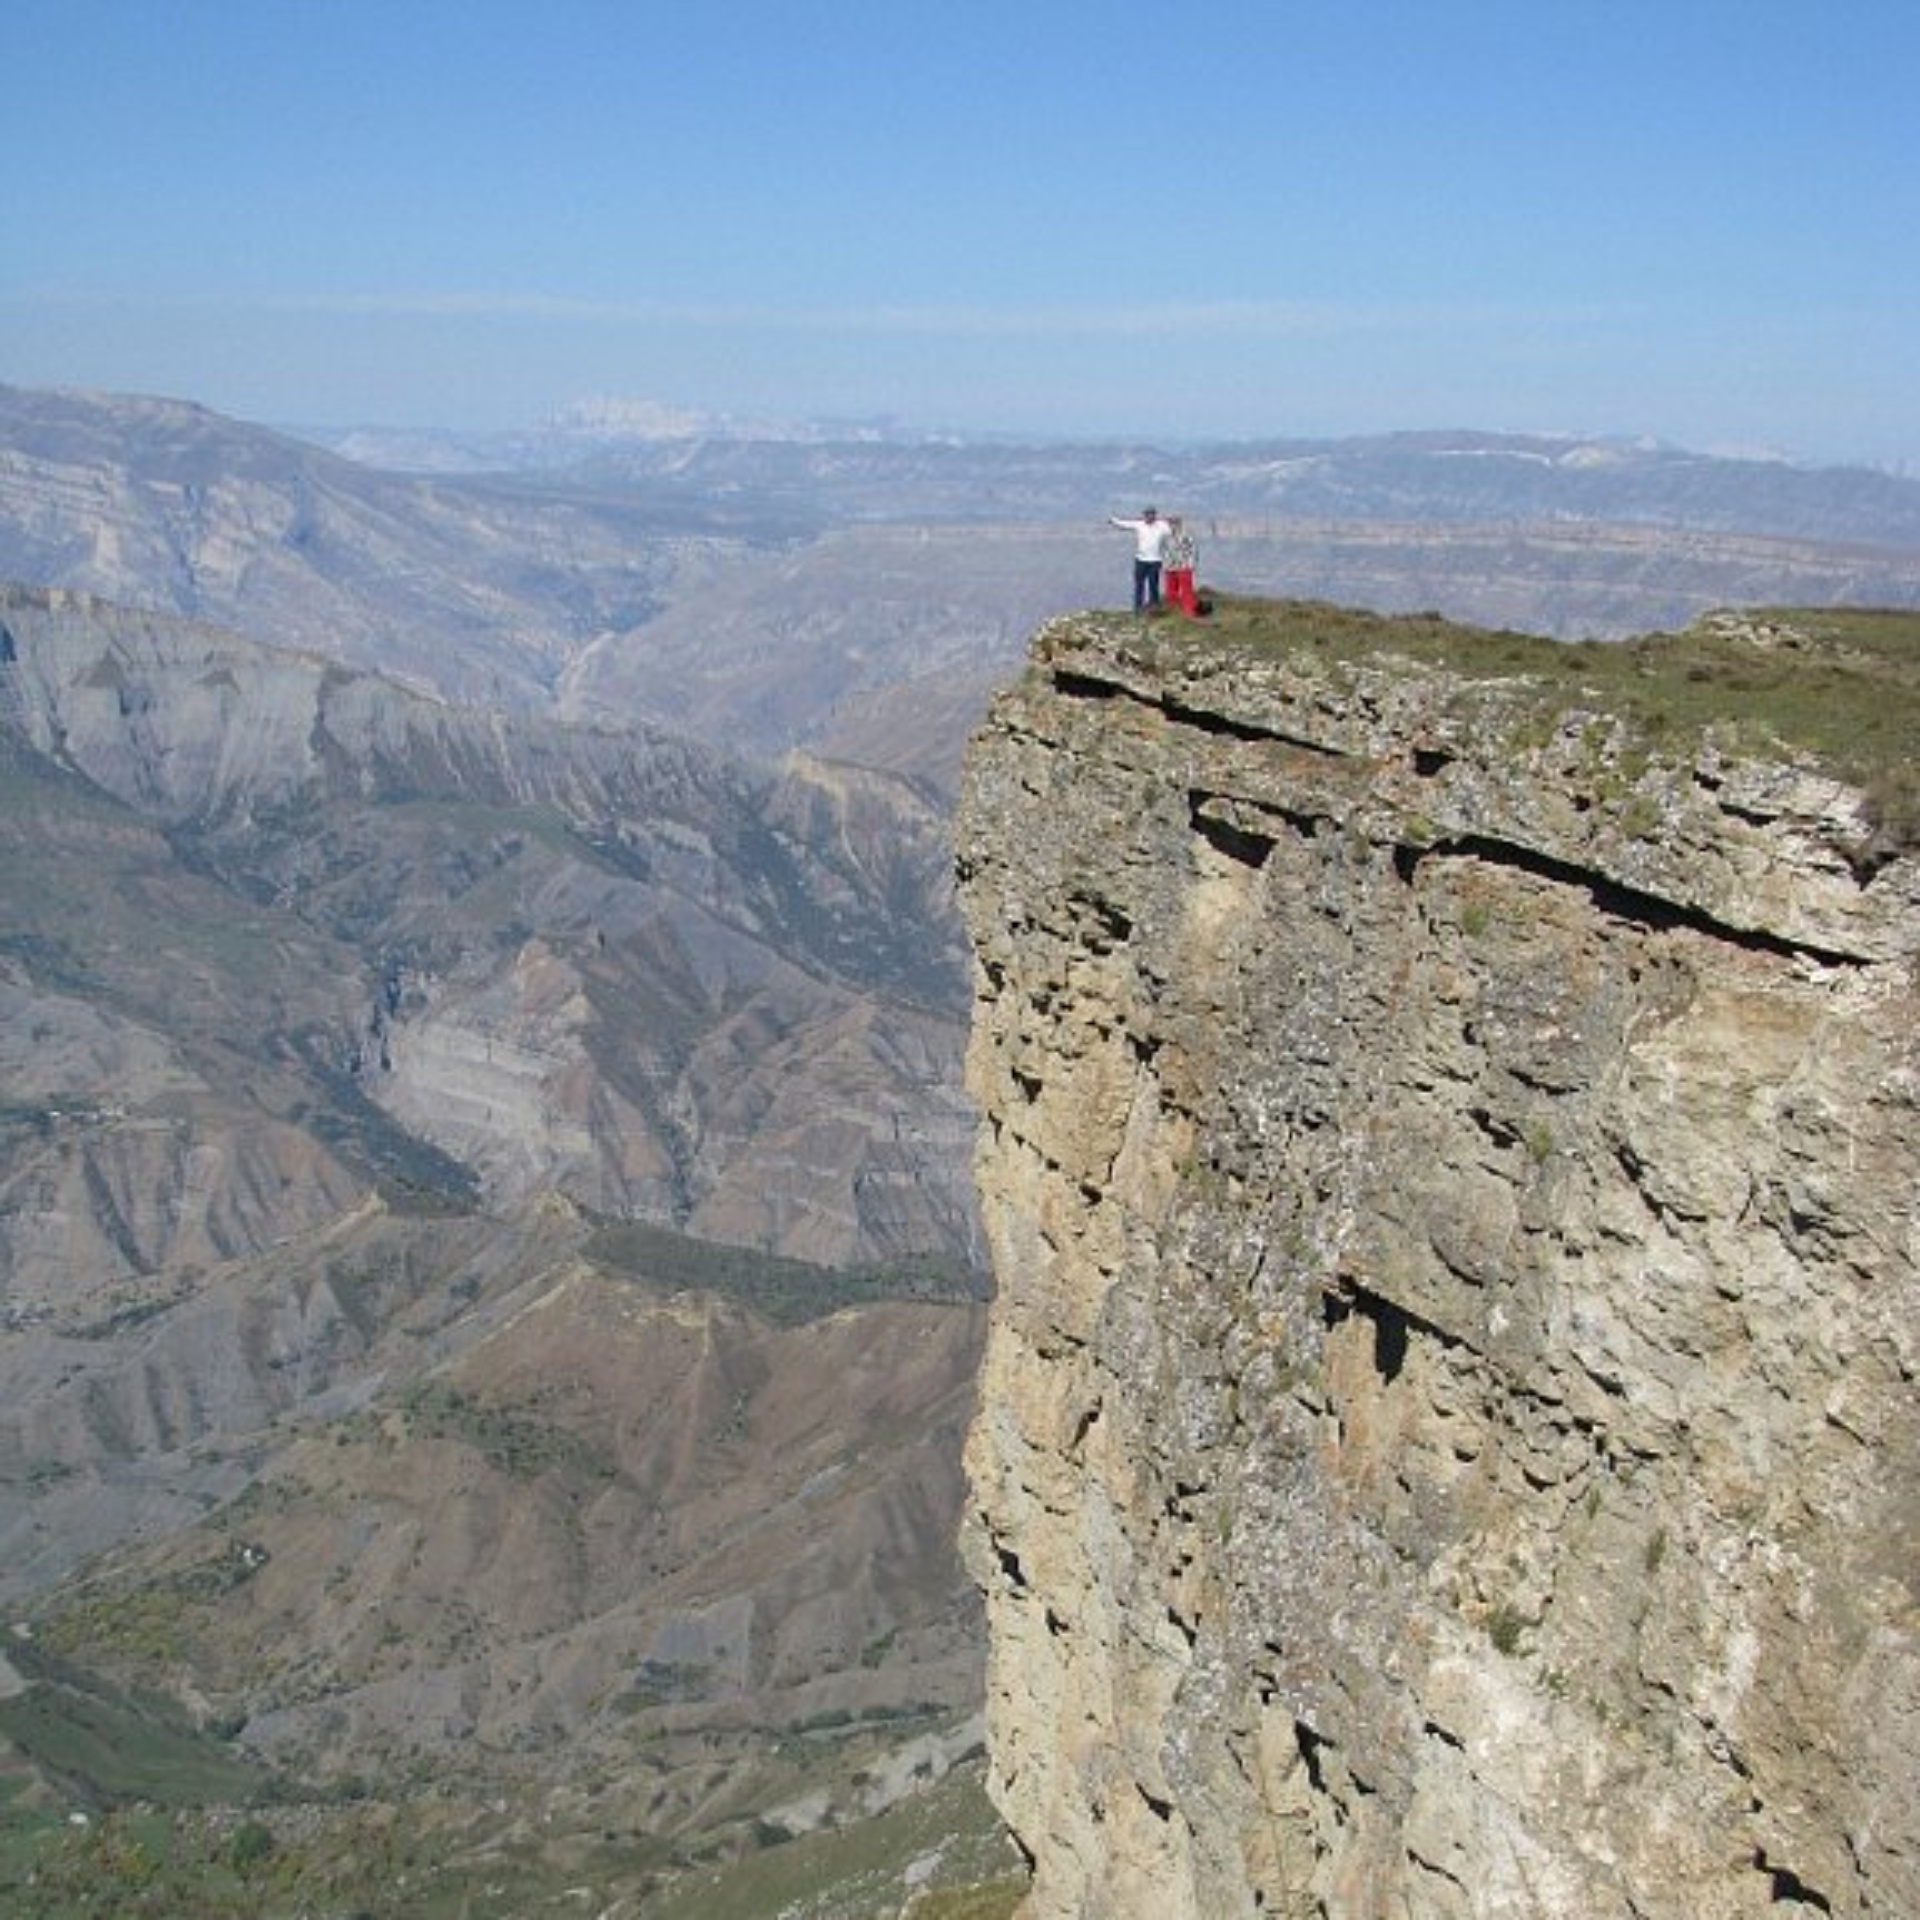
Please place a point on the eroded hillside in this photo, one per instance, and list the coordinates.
(485, 1307)
(477, 954)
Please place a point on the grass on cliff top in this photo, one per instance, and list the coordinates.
(1839, 684)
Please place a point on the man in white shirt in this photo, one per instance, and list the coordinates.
(1150, 536)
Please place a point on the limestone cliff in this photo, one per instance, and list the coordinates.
(1449, 1152)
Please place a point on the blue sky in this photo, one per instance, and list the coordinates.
(1690, 219)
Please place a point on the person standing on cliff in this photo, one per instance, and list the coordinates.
(1150, 536)
(1182, 557)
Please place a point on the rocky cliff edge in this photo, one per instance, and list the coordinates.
(1449, 1152)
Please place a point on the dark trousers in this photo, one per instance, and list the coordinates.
(1146, 584)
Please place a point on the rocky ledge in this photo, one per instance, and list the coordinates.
(1449, 1152)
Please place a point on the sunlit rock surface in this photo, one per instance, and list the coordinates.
(1448, 1433)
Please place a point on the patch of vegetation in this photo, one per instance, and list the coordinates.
(950, 1836)
(129, 1624)
(123, 1810)
(214, 1865)
(1841, 685)
(428, 1860)
(140, 1627)
(788, 1292)
(513, 1439)
(995, 1901)
(122, 1319)
(1507, 1629)
(655, 1682)
(105, 1747)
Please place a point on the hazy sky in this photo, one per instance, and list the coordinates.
(1694, 219)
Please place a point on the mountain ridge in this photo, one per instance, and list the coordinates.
(326, 1413)
(766, 595)
(1524, 476)
(620, 895)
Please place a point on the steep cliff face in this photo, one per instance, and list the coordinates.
(1449, 1152)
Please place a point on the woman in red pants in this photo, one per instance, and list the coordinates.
(1182, 557)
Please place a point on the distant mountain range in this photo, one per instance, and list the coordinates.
(859, 596)
(1451, 478)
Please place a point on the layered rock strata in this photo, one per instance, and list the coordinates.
(1448, 1437)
